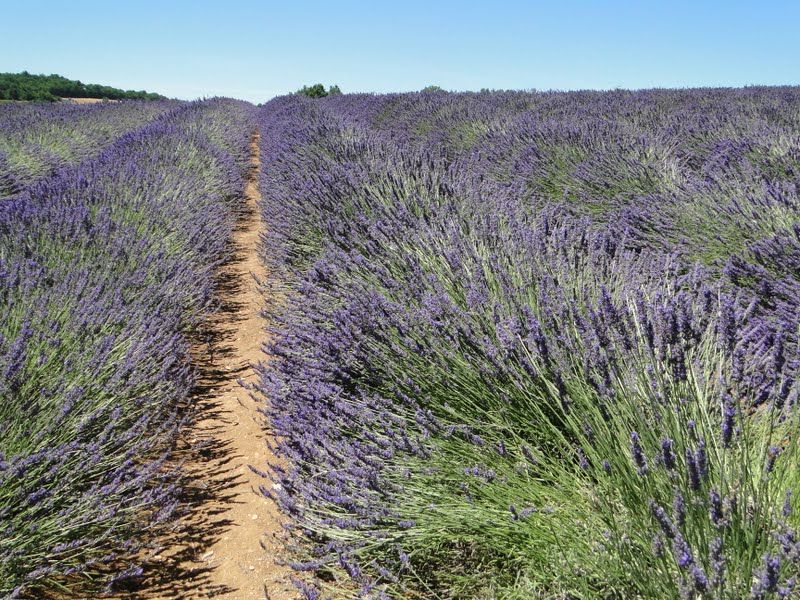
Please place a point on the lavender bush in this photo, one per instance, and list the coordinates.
(105, 270)
(536, 345)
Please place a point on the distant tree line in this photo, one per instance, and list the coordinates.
(318, 90)
(24, 86)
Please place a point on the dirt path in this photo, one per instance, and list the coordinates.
(243, 558)
(225, 548)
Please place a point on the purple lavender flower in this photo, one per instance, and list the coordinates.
(682, 551)
(787, 590)
(667, 454)
(700, 458)
(718, 562)
(701, 583)
(728, 414)
(678, 507)
(657, 546)
(715, 509)
(639, 458)
(693, 470)
(308, 590)
(767, 577)
(772, 455)
(528, 454)
(667, 528)
(582, 460)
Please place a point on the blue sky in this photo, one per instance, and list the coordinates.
(259, 49)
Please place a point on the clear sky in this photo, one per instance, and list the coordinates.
(259, 49)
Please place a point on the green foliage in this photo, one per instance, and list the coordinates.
(432, 88)
(314, 91)
(49, 88)
(318, 91)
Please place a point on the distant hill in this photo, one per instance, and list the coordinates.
(24, 86)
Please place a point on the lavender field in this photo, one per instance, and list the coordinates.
(536, 345)
(520, 344)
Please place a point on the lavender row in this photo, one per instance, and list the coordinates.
(105, 271)
(38, 139)
(485, 386)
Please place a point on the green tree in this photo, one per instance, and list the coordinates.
(24, 86)
(318, 91)
(315, 91)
